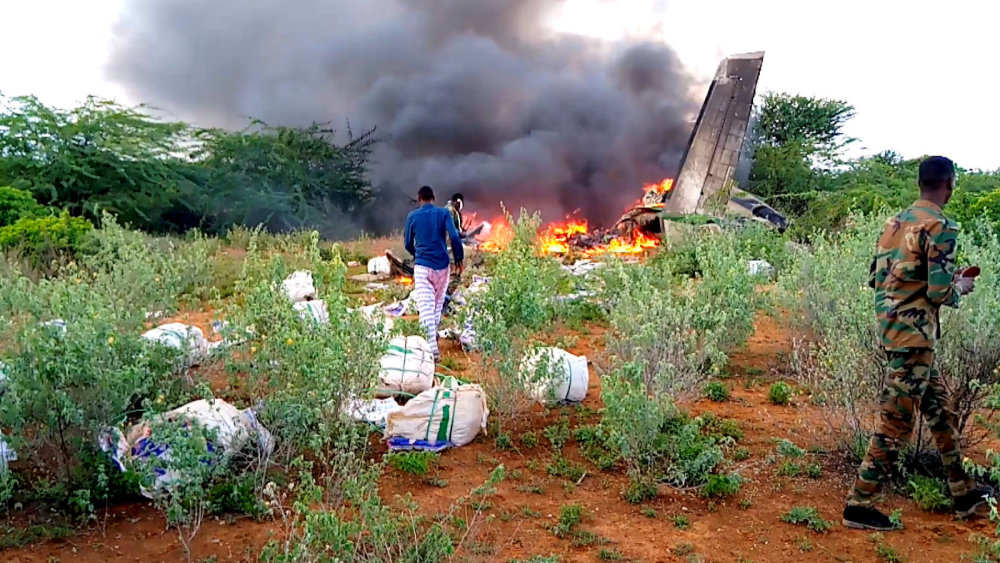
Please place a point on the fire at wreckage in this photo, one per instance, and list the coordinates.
(705, 189)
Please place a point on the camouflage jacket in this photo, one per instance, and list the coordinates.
(913, 273)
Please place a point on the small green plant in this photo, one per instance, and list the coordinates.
(896, 518)
(681, 522)
(558, 434)
(745, 503)
(528, 512)
(449, 363)
(538, 559)
(566, 469)
(814, 471)
(789, 469)
(780, 393)
(716, 391)
(884, 551)
(570, 516)
(648, 512)
(414, 463)
(529, 439)
(804, 544)
(788, 449)
(610, 555)
(742, 453)
(808, 516)
(929, 493)
(503, 441)
(682, 549)
(720, 428)
(722, 486)
(638, 492)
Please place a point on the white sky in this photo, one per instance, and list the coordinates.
(920, 73)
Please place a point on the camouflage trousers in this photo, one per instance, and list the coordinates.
(912, 382)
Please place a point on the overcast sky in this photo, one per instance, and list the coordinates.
(921, 74)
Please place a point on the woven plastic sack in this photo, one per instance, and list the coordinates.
(299, 286)
(188, 339)
(234, 429)
(407, 367)
(314, 310)
(439, 418)
(564, 378)
(379, 266)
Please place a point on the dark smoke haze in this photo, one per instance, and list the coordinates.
(470, 96)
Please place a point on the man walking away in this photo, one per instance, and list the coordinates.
(424, 238)
(454, 207)
(913, 274)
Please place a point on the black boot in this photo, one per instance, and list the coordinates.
(867, 518)
(967, 504)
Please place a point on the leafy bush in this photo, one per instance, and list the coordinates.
(789, 449)
(16, 204)
(808, 516)
(416, 463)
(779, 393)
(721, 486)
(570, 516)
(517, 303)
(716, 391)
(705, 318)
(655, 440)
(43, 239)
(929, 493)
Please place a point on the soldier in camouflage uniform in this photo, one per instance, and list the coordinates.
(913, 274)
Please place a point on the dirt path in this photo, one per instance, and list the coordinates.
(745, 528)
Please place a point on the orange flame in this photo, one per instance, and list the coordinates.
(555, 238)
(661, 188)
(404, 280)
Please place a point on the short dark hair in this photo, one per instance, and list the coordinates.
(425, 194)
(935, 172)
(457, 197)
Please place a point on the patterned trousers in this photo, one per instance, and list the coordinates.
(912, 382)
(429, 287)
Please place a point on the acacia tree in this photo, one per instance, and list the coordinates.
(283, 177)
(99, 156)
(794, 141)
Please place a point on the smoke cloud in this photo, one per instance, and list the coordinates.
(474, 97)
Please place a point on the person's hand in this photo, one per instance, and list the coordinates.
(965, 285)
(457, 269)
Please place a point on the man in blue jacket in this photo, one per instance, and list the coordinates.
(424, 238)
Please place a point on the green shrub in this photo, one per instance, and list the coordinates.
(45, 238)
(720, 428)
(722, 486)
(788, 449)
(929, 493)
(414, 463)
(570, 516)
(562, 467)
(808, 516)
(529, 439)
(780, 393)
(16, 204)
(681, 522)
(716, 391)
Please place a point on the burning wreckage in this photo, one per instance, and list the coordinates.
(704, 191)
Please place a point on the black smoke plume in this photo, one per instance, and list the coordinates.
(469, 96)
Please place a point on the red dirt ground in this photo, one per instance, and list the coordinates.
(722, 531)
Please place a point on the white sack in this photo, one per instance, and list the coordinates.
(188, 339)
(299, 286)
(760, 268)
(374, 411)
(567, 377)
(234, 428)
(407, 366)
(314, 310)
(379, 266)
(439, 418)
